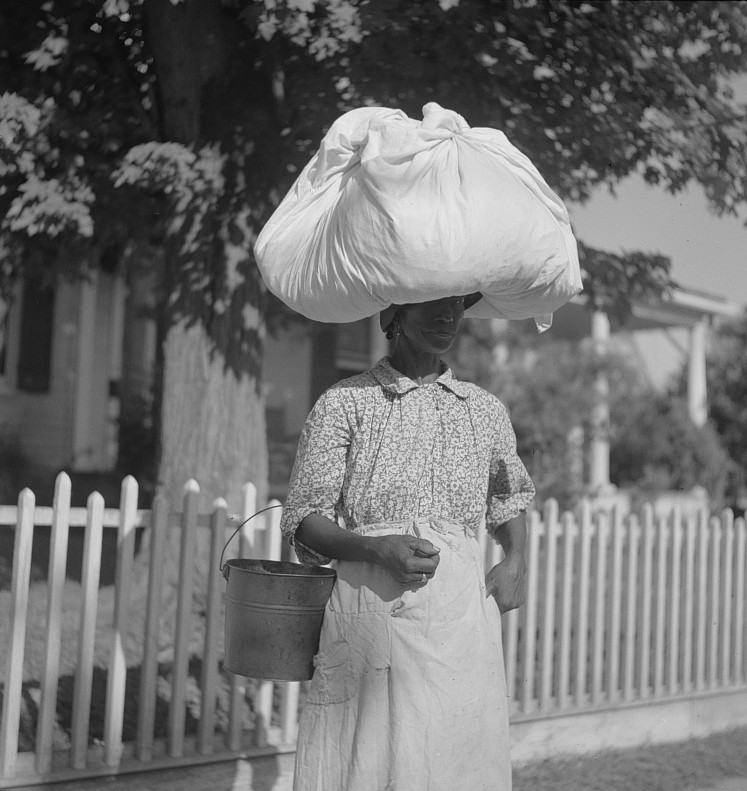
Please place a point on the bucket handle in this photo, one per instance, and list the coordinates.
(224, 567)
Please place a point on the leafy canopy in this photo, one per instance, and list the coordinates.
(103, 146)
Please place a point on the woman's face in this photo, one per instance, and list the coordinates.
(431, 326)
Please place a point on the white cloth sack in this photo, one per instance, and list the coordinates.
(391, 211)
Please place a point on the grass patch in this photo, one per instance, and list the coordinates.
(660, 767)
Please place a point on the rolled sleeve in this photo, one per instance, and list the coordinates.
(510, 489)
(318, 471)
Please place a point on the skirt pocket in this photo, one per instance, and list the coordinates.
(333, 675)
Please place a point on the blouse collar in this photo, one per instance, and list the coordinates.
(391, 379)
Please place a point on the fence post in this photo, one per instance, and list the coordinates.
(55, 581)
(117, 677)
(19, 599)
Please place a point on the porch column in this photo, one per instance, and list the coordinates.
(696, 373)
(599, 451)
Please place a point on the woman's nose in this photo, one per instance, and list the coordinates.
(447, 313)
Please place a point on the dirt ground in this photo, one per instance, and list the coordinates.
(695, 764)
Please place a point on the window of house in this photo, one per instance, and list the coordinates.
(35, 344)
(9, 328)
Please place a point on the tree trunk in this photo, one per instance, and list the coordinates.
(212, 423)
(213, 426)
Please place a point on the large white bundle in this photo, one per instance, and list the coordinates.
(391, 210)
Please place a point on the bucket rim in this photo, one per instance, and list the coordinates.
(304, 570)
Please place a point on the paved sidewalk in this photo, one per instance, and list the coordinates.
(730, 784)
(272, 773)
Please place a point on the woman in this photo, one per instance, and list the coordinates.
(409, 690)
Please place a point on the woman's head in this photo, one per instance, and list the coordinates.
(391, 322)
(429, 327)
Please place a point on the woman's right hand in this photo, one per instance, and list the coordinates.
(408, 559)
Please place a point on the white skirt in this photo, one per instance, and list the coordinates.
(409, 691)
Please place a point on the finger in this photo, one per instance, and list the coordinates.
(417, 565)
(423, 548)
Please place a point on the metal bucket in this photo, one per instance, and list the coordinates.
(274, 613)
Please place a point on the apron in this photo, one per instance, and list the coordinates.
(409, 688)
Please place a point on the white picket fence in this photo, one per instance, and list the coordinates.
(620, 612)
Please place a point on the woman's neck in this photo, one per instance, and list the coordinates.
(421, 367)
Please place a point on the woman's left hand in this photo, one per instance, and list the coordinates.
(506, 582)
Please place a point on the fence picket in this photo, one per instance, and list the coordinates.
(530, 622)
(87, 631)
(714, 601)
(582, 604)
(598, 624)
(700, 647)
(727, 520)
(563, 664)
(688, 616)
(238, 684)
(289, 711)
(631, 608)
(19, 598)
(547, 635)
(644, 648)
(273, 547)
(182, 635)
(740, 633)
(117, 677)
(149, 668)
(510, 634)
(614, 618)
(55, 581)
(211, 648)
(662, 541)
(673, 641)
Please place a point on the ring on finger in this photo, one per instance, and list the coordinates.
(425, 577)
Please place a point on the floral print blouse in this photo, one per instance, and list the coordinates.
(378, 447)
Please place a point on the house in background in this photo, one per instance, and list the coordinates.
(684, 317)
(74, 359)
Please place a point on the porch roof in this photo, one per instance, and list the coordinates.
(683, 307)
